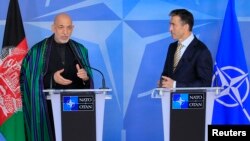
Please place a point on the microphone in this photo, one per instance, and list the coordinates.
(103, 78)
(84, 65)
(51, 82)
(160, 83)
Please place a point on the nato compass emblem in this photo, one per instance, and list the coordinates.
(179, 101)
(70, 103)
(235, 87)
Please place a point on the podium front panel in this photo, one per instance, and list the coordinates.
(86, 97)
(175, 118)
(187, 116)
(78, 118)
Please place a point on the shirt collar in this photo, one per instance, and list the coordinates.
(187, 41)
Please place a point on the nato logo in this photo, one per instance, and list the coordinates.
(78, 103)
(187, 101)
(180, 101)
(70, 103)
(235, 92)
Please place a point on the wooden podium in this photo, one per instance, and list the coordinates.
(78, 113)
(187, 112)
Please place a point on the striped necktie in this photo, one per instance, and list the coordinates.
(177, 55)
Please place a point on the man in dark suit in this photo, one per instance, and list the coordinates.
(195, 66)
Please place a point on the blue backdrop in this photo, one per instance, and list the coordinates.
(128, 41)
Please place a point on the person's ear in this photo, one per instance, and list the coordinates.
(53, 28)
(186, 26)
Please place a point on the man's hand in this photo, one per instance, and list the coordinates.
(60, 79)
(167, 82)
(81, 73)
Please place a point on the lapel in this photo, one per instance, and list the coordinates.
(187, 55)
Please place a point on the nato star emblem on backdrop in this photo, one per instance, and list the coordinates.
(235, 84)
(232, 85)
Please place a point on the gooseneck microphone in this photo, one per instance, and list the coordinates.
(86, 66)
(103, 78)
(160, 82)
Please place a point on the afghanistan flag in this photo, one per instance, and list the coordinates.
(13, 51)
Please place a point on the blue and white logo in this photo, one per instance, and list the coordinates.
(180, 101)
(70, 103)
(235, 87)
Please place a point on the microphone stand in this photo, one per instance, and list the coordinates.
(83, 66)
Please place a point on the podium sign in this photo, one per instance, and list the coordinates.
(78, 118)
(186, 112)
(78, 114)
(187, 116)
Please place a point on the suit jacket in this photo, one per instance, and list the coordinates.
(195, 68)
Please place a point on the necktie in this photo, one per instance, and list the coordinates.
(177, 55)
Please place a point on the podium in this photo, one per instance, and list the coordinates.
(187, 112)
(78, 113)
